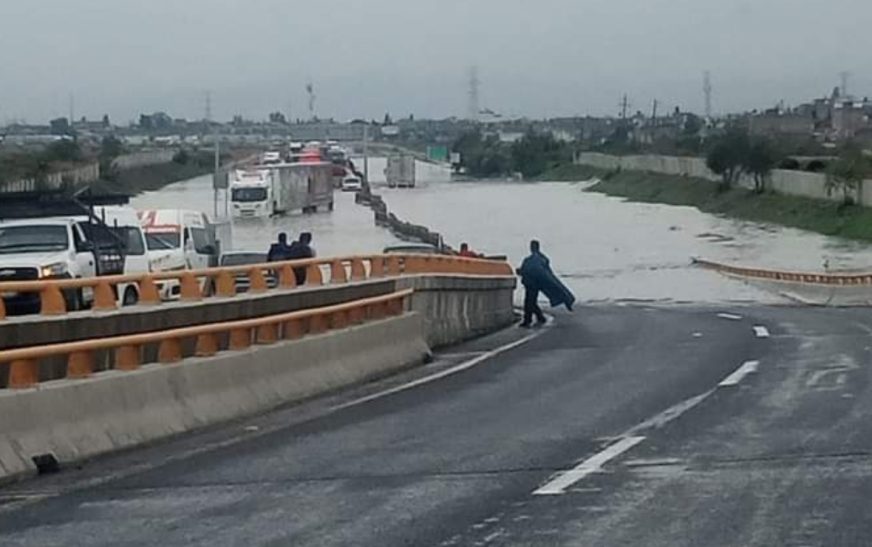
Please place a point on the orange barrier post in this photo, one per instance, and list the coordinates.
(267, 334)
(287, 279)
(52, 300)
(358, 270)
(377, 266)
(225, 284)
(190, 289)
(257, 281)
(23, 373)
(356, 315)
(317, 324)
(338, 320)
(207, 345)
(80, 364)
(393, 266)
(337, 272)
(127, 358)
(104, 297)
(313, 275)
(2, 310)
(293, 329)
(169, 351)
(240, 339)
(148, 293)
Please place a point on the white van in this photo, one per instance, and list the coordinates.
(178, 239)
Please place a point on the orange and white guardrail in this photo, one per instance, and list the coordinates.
(128, 351)
(792, 277)
(223, 279)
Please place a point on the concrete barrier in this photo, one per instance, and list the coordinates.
(76, 419)
(458, 308)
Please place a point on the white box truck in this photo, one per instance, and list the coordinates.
(400, 172)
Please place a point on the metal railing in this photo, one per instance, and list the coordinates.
(127, 351)
(846, 279)
(195, 285)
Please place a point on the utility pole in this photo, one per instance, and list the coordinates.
(707, 91)
(472, 106)
(654, 111)
(844, 75)
(366, 152)
(625, 105)
(72, 111)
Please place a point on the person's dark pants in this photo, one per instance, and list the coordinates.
(531, 306)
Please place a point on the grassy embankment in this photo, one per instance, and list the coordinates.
(823, 217)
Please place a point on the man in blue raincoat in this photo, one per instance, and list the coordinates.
(536, 276)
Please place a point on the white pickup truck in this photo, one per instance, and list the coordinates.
(68, 248)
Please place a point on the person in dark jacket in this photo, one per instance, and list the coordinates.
(299, 250)
(532, 272)
(280, 250)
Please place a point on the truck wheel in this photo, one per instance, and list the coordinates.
(131, 297)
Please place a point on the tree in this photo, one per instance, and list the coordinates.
(111, 147)
(847, 173)
(534, 154)
(277, 117)
(66, 150)
(106, 122)
(760, 160)
(146, 122)
(727, 156)
(388, 120)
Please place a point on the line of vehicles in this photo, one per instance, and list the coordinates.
(301, 178)
(66, 238)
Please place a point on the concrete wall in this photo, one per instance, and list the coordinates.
(459, 308)
(78, 176)
(75, 419)
(782, 181)
(78, 419)
(142, 159)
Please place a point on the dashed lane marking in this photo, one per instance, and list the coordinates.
(564, 480)
(730, 316)
(760, 331)
(749, 367)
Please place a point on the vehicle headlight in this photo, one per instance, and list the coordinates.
(53, 270)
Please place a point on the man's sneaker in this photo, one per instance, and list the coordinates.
(524, 325)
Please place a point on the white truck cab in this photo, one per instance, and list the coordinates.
(251, 193)
(46, 248)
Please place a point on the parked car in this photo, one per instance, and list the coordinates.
(244, 258)
(411, 248)
(351, 183)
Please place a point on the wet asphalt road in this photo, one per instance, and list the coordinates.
(778, 456)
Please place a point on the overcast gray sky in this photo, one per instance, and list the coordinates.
(366, 57)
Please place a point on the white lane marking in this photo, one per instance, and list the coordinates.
(733, 379)
(761, 332)
(668, 415)
(564, 480)
(730, 316)
(443, 373)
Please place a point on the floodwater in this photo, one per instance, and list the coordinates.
(605, 249)
(608, 249)
(349, 229)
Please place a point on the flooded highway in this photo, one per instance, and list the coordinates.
(349, 229)
(608, 249)
(605, 248)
